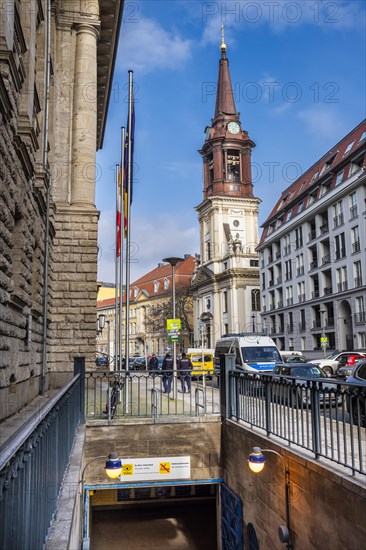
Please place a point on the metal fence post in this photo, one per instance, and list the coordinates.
(227, 364)
(79, 368)
(315, 417)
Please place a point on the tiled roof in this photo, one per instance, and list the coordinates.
(325, 169)
(146, 283)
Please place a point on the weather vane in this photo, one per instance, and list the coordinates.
(223, 45)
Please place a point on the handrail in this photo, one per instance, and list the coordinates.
(15, 441)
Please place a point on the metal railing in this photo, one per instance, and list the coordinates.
(328, 421)
(141, 394)
(32, 466)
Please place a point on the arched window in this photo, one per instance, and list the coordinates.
(156, 286)
(166, 283)
(256, 306)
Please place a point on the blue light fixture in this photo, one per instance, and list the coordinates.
(113, 466)
(256, 460)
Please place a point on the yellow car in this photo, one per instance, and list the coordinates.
(199, 368)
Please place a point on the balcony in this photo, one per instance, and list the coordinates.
(279, 330)
(315, 293)
(329, 322)
(326, 259)
(314, 264)
(302, 327)
(324, 229)
(360, 317)
(301, 298)
(342, 286)
(353, 212)
(300, 270)
(338, 220)
(286, 250)
(356, 247)
(271, 282)
(270, 259)
(280, 304)
(290, 328)
(272, 306)
(317, 323)
(358, 281)
(278, 254)
(279, 280)
(328, 290)
(289, 301)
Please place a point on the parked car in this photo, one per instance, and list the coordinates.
(356, 403)
(102, 361)
(296, 359)
(330, 363)
(297, 392)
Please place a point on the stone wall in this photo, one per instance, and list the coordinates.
(327, 510)
(201, 440)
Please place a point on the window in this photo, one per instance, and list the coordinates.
(224, 298)
(300, 264)
(256, 306)
(288, 270)
(355, 238)
(328, 163)
(363, 136)
(339, 178)
(342, 281)
(156, 286)
(166, 283)
(340, 246)
(288, 215)
(353, 205)
(362, 340)
(314, 176)
(349, 147)
(254, 263)
(300, 207)
(233, 165)
(289, 296)
(302, 185)
(357, 273)
(325, 188)
(208, 251)
(135, 291)
(301, 291)
(298, 237)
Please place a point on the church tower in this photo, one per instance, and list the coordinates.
(226, 281)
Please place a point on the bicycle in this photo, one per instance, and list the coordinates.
(117, 386)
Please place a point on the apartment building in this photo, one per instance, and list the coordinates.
(312, 255)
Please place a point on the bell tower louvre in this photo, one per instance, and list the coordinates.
(225, 284)
(226, 152)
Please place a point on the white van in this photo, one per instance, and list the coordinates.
(253, 352)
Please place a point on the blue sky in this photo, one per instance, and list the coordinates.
(298, 73)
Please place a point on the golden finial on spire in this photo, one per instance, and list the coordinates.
(223, 45)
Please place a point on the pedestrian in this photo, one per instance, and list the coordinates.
(153, 365)
(167, 369)
(184, 368)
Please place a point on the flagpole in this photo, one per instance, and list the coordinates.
(123, 143)
(129, 180)
(116, 331)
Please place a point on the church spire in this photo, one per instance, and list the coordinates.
(224, 96)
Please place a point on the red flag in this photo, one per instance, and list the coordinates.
(118, 213)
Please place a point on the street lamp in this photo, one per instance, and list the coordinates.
(113, 469)
(253, 322)
(173, 261)
(101, 323)
(256, 463)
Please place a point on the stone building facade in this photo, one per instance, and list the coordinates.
(56, 65)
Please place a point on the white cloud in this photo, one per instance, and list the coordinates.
(145, 47)
(152, 239)
(323, 123)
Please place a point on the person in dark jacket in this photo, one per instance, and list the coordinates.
(167, 369)
(184, 368)
(153, 364)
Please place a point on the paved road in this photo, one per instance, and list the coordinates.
(188, 525)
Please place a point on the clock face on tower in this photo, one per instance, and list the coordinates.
(233, 127)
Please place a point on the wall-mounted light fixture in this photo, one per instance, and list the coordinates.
(256, 463)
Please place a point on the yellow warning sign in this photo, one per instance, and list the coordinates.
(164, 467)
(127, 470)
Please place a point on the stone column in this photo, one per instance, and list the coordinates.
(84, 121)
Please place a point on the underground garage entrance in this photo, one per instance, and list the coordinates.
(173, 517)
